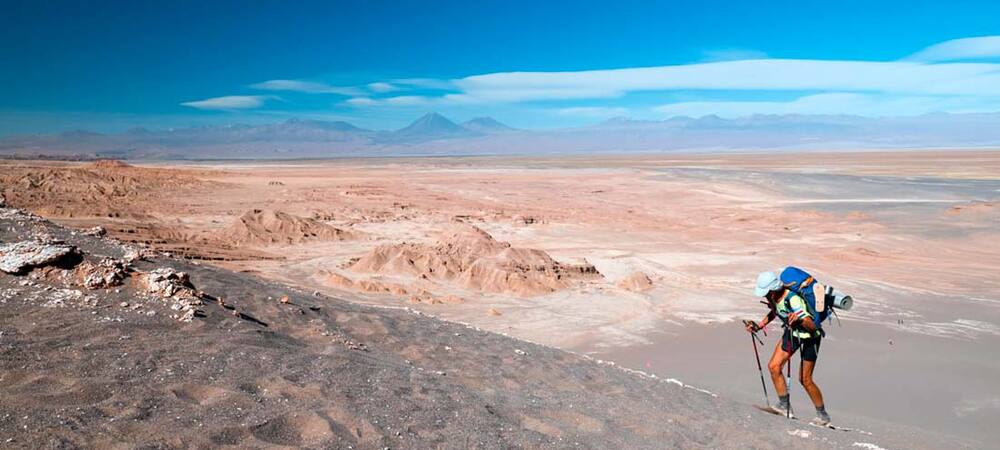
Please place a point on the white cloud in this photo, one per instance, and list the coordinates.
(229, 102)
(382, 86)
(593, 111)
(361, 101)
(310, 87)
(400, 100)
(939, 78)
(983, 47)
(378, 87)
(407, 100)
(830, 103)
(770, 74)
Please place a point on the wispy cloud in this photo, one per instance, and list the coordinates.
(311, 87)
(984, 47)
(229, 102)
(769, 74)
(376, 87)
(382, 86)
(361, 101)
(828, 103)
(952, 76)
(750, 70)
(594, 112)
(399, 100)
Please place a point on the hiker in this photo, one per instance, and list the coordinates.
(801, 332)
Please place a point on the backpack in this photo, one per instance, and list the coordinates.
(801, 283)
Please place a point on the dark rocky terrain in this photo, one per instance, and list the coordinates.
(256, 364)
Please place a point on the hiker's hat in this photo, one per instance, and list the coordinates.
(766, 282)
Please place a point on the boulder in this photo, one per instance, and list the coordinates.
(96, 231)
(636, 282)
(166, 282)
(105, 274)
(25, 255)
(175, 288)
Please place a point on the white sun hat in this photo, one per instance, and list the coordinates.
(766, 282)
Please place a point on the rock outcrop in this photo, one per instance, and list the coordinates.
(173, 286)
(372, 286)
(22, 256)
(102, 189)
(265, 227)
(96, 231)
(470, 258)
(636, 282)
(110, 164)
(101, 275)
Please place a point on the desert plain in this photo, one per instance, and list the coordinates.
(645, 260)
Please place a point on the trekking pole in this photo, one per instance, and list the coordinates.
(753, 339)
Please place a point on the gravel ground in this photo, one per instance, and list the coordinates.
(115, 368)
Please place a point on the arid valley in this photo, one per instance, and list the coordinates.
(645, 260)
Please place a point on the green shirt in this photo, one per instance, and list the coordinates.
(797, 304)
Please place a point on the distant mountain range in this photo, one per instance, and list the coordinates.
(430, 126)
(486, 125)
(434, 134)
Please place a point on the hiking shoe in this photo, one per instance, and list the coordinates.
(782, 409)
(822, 419)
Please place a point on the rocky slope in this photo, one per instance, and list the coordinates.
(167, 354)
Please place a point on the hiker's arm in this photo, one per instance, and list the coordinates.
(767, 319)
(754, 326)
(806, 323)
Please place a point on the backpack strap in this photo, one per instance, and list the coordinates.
(809, 309)
(788, 304)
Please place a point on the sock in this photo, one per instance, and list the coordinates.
(821, 412)
(783, 400)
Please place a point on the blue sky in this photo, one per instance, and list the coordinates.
(110, 65)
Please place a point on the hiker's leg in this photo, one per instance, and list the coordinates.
(778, 360)
(806, 374)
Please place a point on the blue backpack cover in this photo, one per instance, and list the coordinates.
(801, 283)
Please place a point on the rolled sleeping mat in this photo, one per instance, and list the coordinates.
(838, 299)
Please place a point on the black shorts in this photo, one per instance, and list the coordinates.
(810, 346)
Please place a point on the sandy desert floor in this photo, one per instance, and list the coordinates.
(644, 260)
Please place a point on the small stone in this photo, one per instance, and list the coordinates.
(96, 231)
